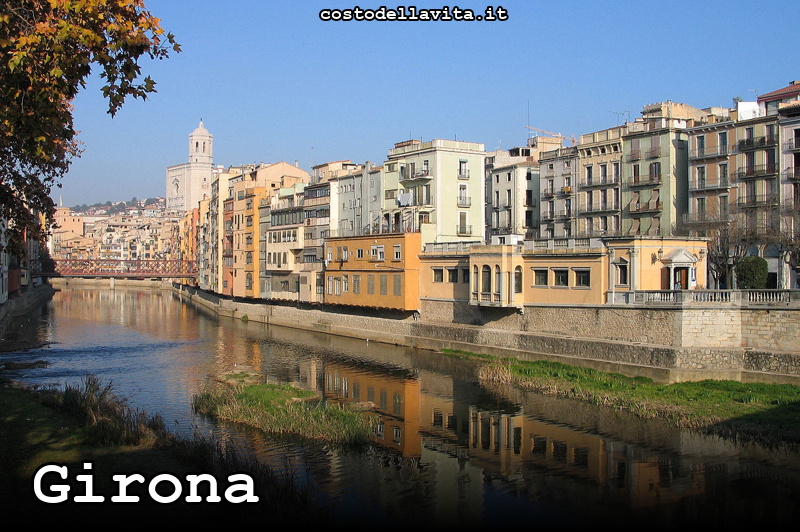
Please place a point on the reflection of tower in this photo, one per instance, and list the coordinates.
(188, 183)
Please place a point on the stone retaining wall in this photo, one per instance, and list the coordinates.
(661, 361)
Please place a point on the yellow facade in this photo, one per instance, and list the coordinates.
(380, 271)
(590, 272)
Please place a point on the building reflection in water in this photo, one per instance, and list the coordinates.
(451, 450)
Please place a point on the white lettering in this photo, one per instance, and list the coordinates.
(37, 484)
(194, 480)
(165, 477)
(124, 481)
(248, 487)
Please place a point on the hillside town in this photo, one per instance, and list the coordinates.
(667, 202)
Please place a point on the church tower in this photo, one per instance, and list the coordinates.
(190, 182)
(201, 145)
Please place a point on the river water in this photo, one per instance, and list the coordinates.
(447, 450)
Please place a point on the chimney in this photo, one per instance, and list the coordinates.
(296, 164)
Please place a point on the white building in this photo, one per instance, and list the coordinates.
(190, 182)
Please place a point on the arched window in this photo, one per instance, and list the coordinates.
(486, 281)
(518, 280)
(498, 278)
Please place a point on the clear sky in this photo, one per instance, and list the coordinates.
(272, 82)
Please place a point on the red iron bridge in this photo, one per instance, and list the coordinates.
(123, 269)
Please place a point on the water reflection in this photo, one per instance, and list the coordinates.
(447, 450)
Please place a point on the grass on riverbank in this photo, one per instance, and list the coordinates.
(284, 409)
(766, 412)
(90, 424)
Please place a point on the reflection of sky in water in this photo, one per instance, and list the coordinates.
(476, 455)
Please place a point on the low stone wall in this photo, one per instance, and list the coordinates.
(23, 302)
(661, 361)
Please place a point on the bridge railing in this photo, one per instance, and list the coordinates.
(124, 268)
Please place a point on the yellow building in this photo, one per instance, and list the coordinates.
(579, 271)
(379, 271)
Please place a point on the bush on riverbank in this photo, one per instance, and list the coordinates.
(89, 424)
(769, 413)
(284, 409)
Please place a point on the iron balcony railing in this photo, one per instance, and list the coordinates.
(711, 151)
(760, 170)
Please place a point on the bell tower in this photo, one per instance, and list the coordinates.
(201, 145)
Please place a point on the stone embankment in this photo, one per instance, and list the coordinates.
(661, 362)
(666, 345)
(22, 302)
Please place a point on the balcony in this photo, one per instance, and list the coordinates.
(566, 214)
(644, 208)
(634, 155)
(423, 174)
(645, 180)
(463, 230)
(710, 152)
(463, 173)
(706, 219)
(792, 174)
(760, 170)
(598, 207)
(653, 153)
(611, 181)
(548, 194)
(566, 191)
(757, 143)
(703, 184)
(464, 201)
(548, 216)
(792, 144)
(758, 200)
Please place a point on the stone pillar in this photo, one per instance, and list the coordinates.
(610, 295)
(634, 266)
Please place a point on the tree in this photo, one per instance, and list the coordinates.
(47, 50)
(752, 272)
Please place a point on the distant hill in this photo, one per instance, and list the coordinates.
(116, 207)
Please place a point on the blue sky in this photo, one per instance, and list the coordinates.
(273, 82)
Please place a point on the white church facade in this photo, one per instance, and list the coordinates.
(190, 182)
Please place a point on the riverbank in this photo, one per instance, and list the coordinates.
(768, 414)
(22, 302)
(661, 363)
(37, 429)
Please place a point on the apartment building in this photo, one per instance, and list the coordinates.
(557, 192)
(599, 209)
(435, 188)
(283, 242)
(378, 270)
(655, 169)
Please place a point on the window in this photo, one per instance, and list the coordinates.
(346, 283)
(582, 278)
(384, 284)
(359, 253)
(438, 275)
(398, 284)
(370, 284)
(464, 275)
(622, 274)
(337, 283)
(452, 275)
(397, 252)
(330, 285)
(518, 280)
(561, 277)
(540, 277)
(356, 284)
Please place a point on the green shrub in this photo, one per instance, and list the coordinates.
(752, 272)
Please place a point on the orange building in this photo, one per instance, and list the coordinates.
(379, 271)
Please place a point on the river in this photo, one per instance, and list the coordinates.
(447, 450)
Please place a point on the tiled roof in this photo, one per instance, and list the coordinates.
(791, 89)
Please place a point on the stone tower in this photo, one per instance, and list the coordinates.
(190, 182)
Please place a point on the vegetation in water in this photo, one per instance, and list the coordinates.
(89, 423)
(769, 413)
(284, 409)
